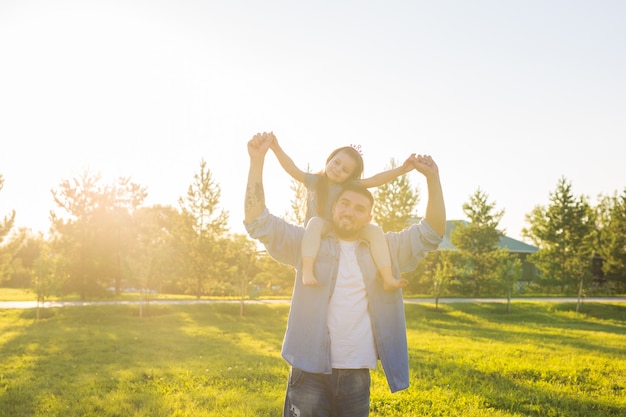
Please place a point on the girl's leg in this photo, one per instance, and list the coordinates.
(311, 239)
(380, 253)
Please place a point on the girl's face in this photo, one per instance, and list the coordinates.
(340, 167)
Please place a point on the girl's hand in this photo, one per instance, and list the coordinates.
(409, 163)
(271, 138)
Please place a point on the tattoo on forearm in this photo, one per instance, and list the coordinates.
(249, 202)
(259, 193)
(255, 195)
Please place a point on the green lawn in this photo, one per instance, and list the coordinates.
(204, 360)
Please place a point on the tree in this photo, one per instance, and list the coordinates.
(444, 272)
(150, 259)
(92, 235)
(510, 271)
(273, 276)
(395, 203)
(205, 225)
(478, 244)
(565, 232)
(28, 250)
(298, 205)
(25, 249)
(114, 229)
(299, 202)
(611, 213)
(74, 236)
(6, 251)
(47, 274)
(241, 257)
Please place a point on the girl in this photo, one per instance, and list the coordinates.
(344, 164)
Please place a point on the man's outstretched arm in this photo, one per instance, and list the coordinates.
(435, 208)
(254, 202)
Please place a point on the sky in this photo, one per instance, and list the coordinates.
(507, 96)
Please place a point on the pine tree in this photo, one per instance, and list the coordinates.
(612, 237)
(298, 204)
(395, 203)
(6, 251)
(565, 233)
(477, 241)
(206, 225)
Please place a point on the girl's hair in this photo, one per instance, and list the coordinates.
(322, 183)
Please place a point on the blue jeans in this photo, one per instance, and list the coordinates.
(344, 393)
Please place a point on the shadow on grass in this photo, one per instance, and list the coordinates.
(536, 323)
(541, 360)
(527, 395)
(108, 361)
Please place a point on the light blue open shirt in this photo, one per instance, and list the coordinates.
(307, 344)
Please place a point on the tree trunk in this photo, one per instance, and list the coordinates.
(140, 304)
(508, 300)
(580, 294)
(242, 293)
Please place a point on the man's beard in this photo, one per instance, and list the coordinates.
(346, 233)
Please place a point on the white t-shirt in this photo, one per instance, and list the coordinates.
(351, 337)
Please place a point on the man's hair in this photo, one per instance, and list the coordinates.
(357, 188)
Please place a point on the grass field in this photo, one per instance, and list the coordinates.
(204, 360)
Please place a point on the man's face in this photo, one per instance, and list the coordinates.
(351, 212)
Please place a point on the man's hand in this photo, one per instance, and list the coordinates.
(259, 144)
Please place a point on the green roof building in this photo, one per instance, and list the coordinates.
(513, 245)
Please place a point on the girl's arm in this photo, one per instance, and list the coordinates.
(389, 175)
(286, 162)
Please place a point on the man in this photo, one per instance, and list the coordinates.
(338, 330)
